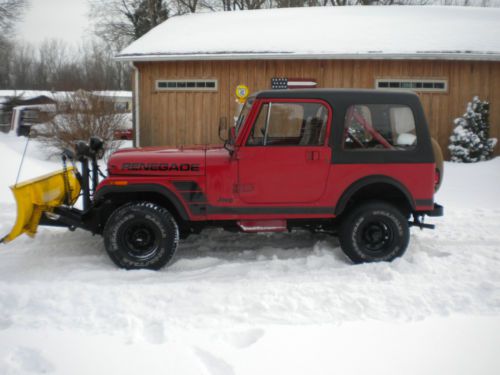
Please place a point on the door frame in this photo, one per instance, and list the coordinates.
(250, 121)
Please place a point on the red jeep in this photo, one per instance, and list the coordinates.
(356, 163)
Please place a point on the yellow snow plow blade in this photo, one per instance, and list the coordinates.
(39, 195)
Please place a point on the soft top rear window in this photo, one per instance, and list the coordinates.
(379, 127)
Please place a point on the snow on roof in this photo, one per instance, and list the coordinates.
(57, 95)
(27, 94)
(114, 94)
(354, 32)
(31, 94)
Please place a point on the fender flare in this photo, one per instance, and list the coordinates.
(107, 190)
(370, 180)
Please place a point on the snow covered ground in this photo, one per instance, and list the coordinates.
(256, 304)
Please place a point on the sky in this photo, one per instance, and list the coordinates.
(62, 19)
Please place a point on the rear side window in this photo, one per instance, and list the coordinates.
(379, 127)
(289, 124)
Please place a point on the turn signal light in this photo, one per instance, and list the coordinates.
(118, 183)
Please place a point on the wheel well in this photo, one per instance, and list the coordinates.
(114, 200)
(382, 191)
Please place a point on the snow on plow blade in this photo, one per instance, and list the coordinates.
(39, 195)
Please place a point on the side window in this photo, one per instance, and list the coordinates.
(379, 127)
(289, 124)
(256, 137)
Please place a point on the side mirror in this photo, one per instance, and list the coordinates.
(223, 128)
(229, 143)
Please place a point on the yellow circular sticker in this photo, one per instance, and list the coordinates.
(242, 93)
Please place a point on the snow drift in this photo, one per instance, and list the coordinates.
(257, 303)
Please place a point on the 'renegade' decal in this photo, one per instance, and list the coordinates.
(183, 167)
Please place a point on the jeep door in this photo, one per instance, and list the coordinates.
(285, 157)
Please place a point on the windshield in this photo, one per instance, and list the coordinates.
(243, 114)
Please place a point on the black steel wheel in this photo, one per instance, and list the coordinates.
(373, 232)
(141, 235)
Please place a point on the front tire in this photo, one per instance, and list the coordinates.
(141, 235)
(374, 232)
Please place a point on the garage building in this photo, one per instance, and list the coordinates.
(187, 69)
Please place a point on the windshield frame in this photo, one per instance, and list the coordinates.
(245, 111)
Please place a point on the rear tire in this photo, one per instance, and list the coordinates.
(141, 235)
(374, 232)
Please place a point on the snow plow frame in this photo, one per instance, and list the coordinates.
(49, 200)
(42, 195)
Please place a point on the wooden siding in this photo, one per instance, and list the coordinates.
(179, 118)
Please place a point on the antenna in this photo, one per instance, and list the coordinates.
(22, 159)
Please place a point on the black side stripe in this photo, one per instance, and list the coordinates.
(194, 197)
(186, 186)
(197, 202)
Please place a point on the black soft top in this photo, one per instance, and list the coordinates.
(353, 95)
(341, 99)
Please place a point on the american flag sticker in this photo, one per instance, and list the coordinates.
(278, 83)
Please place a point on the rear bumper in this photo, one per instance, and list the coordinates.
(438, 210)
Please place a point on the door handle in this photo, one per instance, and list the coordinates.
(243, 188)
(312, 155)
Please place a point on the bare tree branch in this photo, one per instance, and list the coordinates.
(121, 21)
(10, 11)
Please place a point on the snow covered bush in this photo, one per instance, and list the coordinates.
(470, 142)
(80, 116)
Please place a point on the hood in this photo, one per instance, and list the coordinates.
(158, 161)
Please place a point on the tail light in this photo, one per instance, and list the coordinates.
(437, 179)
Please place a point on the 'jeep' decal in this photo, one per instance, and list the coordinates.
(185, 167)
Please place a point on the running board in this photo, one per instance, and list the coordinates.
(255, 226)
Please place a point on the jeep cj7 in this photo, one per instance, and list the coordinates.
(359, 164)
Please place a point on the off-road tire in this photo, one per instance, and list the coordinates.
(374, 231)
(141, 235)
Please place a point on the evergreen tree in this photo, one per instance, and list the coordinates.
(146, 15)
(121, 21)
(470, 142)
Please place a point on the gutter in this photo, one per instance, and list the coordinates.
(137, 127)
(446, 55)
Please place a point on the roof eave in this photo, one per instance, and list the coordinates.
(468, 56)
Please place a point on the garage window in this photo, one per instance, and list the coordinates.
(186, 85)
(424, 85)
